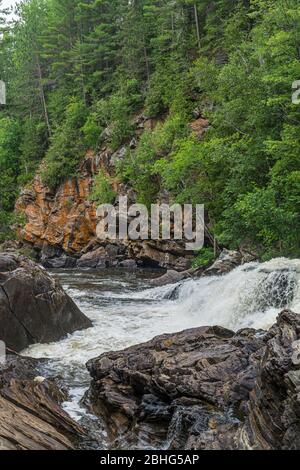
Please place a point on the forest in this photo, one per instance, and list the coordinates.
(77, 68)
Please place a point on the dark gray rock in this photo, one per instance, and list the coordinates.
(50, 252)
(92, 258)
(63, 262)
(8, 262)
(171, 277)
(33, 306)
(206, 388)
(129, 264)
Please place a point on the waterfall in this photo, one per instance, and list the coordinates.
(250, 296)
(125, 311)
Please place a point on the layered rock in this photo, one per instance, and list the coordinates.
(206, 388)
(64, 220)
(31, 417)
(33, 306)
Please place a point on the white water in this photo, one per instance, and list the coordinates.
(125, 311)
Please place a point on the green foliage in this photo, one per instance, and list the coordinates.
(91, 131)
(6, 232)
(78, 71)
(67, 146)
(32, 149)
(115, 112)
(140, 165)
(103, 192)
(205, 258)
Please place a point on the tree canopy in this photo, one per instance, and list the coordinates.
(72, 68)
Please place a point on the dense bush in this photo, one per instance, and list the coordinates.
(103, 192)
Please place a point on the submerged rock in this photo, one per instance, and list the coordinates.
(205, 388)
(33, 306)
(171, 277)
(31, 417)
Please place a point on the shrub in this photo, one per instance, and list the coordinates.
(205, 257)
(67, 146)
(102, 192)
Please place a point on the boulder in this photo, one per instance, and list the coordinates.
(227, 261)
(166, 255)
(92, 258)
(171, 277)
(128, 264)
(206, 388)
(33, 306)
(62, 262)
(101, 257)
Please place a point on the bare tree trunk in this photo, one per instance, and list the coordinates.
(146, 60)
(197, 26)
(42, 95)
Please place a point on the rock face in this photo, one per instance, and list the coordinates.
(30, 414)
(206, 388)
(64, 220)
(33, 306)
(61, 224)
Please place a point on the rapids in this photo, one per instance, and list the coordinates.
(125, 311)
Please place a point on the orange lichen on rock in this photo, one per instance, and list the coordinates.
(66, 218)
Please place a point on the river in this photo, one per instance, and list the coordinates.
(125, 310)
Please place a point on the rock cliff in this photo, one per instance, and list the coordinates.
(61, 224)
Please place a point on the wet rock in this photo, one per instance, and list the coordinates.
(31, 417)
(102, 257)
(92, 259)
(128, 264)
(8, 262)
(33, 306)
(273, 420)
(227, 261)
(196, 366)
(206, 388)
(171, 277)
(166, 255)
(63, 262)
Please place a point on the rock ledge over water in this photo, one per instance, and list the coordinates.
(205, 388)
